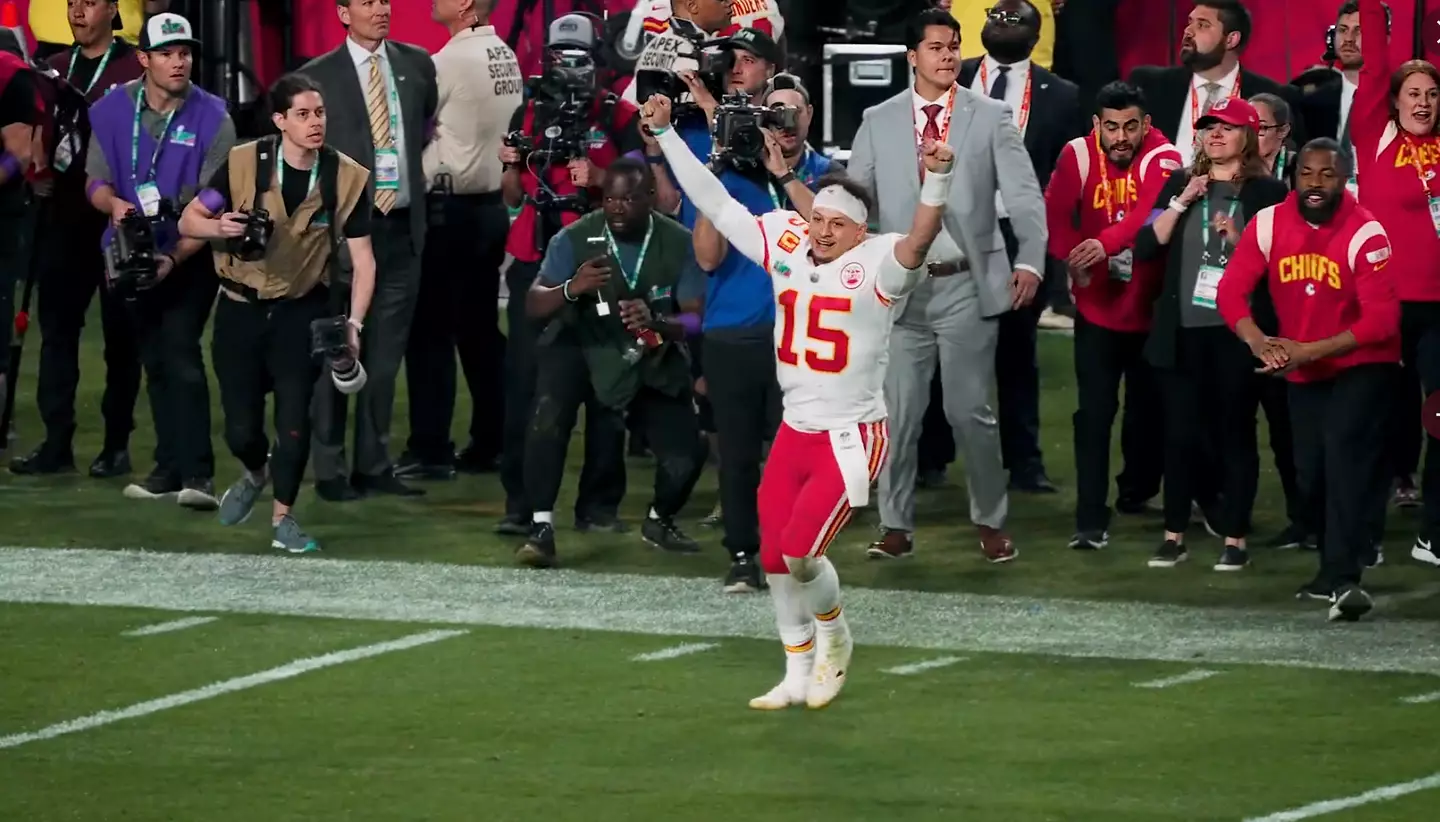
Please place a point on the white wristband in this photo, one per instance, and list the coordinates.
(935, 191)
(1177, 206)
(359, 326)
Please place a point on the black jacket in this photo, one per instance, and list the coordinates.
(1167, 89)
(1254, 196)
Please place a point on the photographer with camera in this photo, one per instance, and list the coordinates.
(560, 143)
(619, 339)
(281, 207)
(153, 143)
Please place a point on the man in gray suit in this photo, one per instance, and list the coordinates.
(380, 97)
(954, 314)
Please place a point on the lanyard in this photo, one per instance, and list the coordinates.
(99, 70)
(774, 194)
(280, 174)
(1205, 224)
(1195, 103)
(135, 137)
(631, 279)
(1280, 165)
(1415, 162)
(944, 132)
(1024, 99)
(1105, 183)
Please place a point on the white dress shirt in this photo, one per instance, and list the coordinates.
(480, 87)
(1194, 103)
(1016, 79)
(944, 249)
(1347, 99)
(362, 71)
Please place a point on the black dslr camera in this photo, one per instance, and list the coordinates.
(739, 125)
(132, 262)
(330, 339)
(251, 245)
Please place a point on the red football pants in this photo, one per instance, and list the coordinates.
(803, 504)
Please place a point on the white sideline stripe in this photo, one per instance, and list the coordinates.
(1181, 679)
(1421, 699)
(1332, 805)
(695, 609)
(165, 703)
(924, 665)
(678, 650)
(172, 625)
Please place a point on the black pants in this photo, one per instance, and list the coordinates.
(1420, 341)
(1210, 404)
(602, 478)
(17, 223)
(1404, 439)
(259, 348)
(1342, 465)
(1275, 401)
(168, 323)
(745, 402)
(1017, 381)
(458, 308)
(670, 426)
(71, 272)
(1102, 359)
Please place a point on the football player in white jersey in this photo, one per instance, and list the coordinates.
(835, 286)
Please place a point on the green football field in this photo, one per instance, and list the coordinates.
(154, 666)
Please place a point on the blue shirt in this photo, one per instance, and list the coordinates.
(560, 265)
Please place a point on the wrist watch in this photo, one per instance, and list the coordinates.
(787, 179)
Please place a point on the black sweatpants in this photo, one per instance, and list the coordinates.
(168, 321)
(745, 403)
(1420, 344)
(669, 423)
(602, 479)
(1342, 466)
(1210, 401)
(1102, 359)
(458, 309)
(1275, 401)
(260, 348)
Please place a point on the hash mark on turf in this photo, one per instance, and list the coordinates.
(1421, 699)
(172, 625)
(678, 650)
(924, 665)
(1384, 794)
(286, 671)
(1181, 679)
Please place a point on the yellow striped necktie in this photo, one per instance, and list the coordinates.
(380, 128)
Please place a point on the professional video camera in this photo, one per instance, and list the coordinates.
(251, 245)
(739, 139)
(132, 262)
(330, 338)
(659, 68)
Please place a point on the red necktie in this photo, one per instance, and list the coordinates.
(932, 125)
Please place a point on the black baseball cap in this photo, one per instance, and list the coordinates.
(756, 42)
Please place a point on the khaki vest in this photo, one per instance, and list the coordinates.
(299, 255)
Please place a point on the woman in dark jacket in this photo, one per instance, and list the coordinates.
(1206, 373)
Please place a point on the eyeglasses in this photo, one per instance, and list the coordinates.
(1005, 16)
(1266, 128)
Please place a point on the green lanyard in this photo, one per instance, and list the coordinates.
(135, 137)
(280, 174)
(1280, 165)
(631, 279)
(1205, 225)
(774, 195)
(99, 70)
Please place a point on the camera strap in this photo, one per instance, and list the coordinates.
(328, 167)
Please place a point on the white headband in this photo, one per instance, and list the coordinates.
(837, 199)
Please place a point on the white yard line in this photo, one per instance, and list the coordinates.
(675, 651)
(694, 609)
(1179, 679)
(171, 626)
(165, 703)
(924, 665)
(1369, 797)
(1422, 699)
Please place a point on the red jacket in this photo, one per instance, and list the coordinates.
(1113, 205)
(1324, 281)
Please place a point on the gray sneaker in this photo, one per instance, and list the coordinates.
(289, 537)
(239, 501)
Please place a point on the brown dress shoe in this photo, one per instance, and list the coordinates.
(894, 545)
(996, 546)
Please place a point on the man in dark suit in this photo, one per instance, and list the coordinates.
(380, 97)
(1215, 35)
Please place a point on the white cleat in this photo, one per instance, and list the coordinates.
(782, 696)
(831, 664)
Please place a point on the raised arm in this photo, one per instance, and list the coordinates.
(1370, 112)
(905, 269)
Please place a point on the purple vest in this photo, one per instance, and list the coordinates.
(193, 129)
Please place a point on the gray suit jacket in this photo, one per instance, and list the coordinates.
(985, 140)
(348, 129)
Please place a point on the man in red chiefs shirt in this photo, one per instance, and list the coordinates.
(1324, 258)
(1097, 201)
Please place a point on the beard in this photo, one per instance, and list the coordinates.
(1124, 160)
(1322, 213)
(1011, 47)
(1196, 60)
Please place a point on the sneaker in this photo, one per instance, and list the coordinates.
(1169, 554)
(290, 539)
(1234, 558)
(664, 534)
(1351, 603)
(1316, 589)
(715, 519)
(111, 463)
(1292, 537)
(1090, 540)
(832, 661)
(198, 495)
(744, 576)
(1423, 551)
(239, 501)
(159, 485)
(600, 523)
(1376, 557)
(539, 548)
(782, 696)
(43, 461)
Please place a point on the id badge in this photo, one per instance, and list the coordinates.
(387, 169)
(64, 154)
(149, 196)
(602, 308)
(1121, 266)
(1435, 213)
(1207, 285)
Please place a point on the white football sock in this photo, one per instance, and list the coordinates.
(796, 624)
(822, 594)
(542, 516)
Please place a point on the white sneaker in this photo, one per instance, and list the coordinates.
(1424, 552)
(832, 662)
(789, 692)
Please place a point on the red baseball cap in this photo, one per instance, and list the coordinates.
(1233, 111)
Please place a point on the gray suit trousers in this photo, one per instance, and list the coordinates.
(942, 319)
